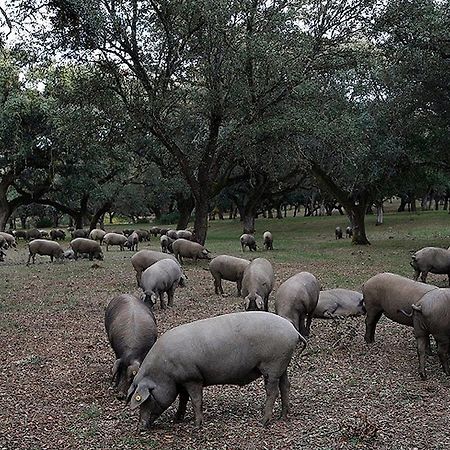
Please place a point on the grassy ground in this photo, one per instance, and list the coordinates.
(54, 376)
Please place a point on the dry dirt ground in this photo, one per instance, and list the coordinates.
(55, 388)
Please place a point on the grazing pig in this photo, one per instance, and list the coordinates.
(247, 240)
(229, 268)
(349, 232)
(131, 329)
(339, 303)
(44, 247)
(83, 245)
(172, 234)
(166, 244)
(183, 248)
(235, 348)
(257, 284)
(97, 235)
(20, 234)
(338, 233)
(115, 239)
(33, 234)
(296, 300)
(389, 294)
(184, 234)
(44, 233)
(431, 315)
(127, 232)
(133, 241)
(143, 235)
(56, 235)
(268, 240)
(431, 259)
(163, 276)
(154, 231)
(79, 233)
(163, 231)
(11, 240)
(145, 258)
(3, 243)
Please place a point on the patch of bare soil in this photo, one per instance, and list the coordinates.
(55, 374)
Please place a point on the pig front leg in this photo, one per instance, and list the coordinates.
(195, 391)
(184, 397)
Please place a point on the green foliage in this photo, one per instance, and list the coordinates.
(169, 218)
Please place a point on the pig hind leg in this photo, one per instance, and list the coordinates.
(421, 350)
(372, 319)
(171, 293)
(271, 383)
(284, 386)
(442, 350)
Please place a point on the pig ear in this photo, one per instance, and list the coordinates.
(259, 302)
(140, 395)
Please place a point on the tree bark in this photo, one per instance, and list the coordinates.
(4, 216)
(380, 213)
(185, 208)
(355, 209)
(98, 214)
(357, 215)
(201, 219)
(279, 213)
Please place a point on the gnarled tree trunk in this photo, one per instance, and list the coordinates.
(185, 207)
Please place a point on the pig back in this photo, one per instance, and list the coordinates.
(130, 326)
(390, 293)
(232, 346)
(258, 277)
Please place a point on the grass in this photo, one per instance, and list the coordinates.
(56, 351)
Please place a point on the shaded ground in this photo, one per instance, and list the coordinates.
(55, 359)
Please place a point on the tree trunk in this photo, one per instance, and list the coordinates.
(185, 208)
(78, 221)
(279, 214)
(231, 213)
(23, 221)
(249, 223)
(403, 201)
(220, 213)
(357, 214)
(295, 210)
(270, 213)
(201, 219)
(285, 210)
(98, 214)
(4, 216)
(380, 213)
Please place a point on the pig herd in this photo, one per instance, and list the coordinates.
(237, 348)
